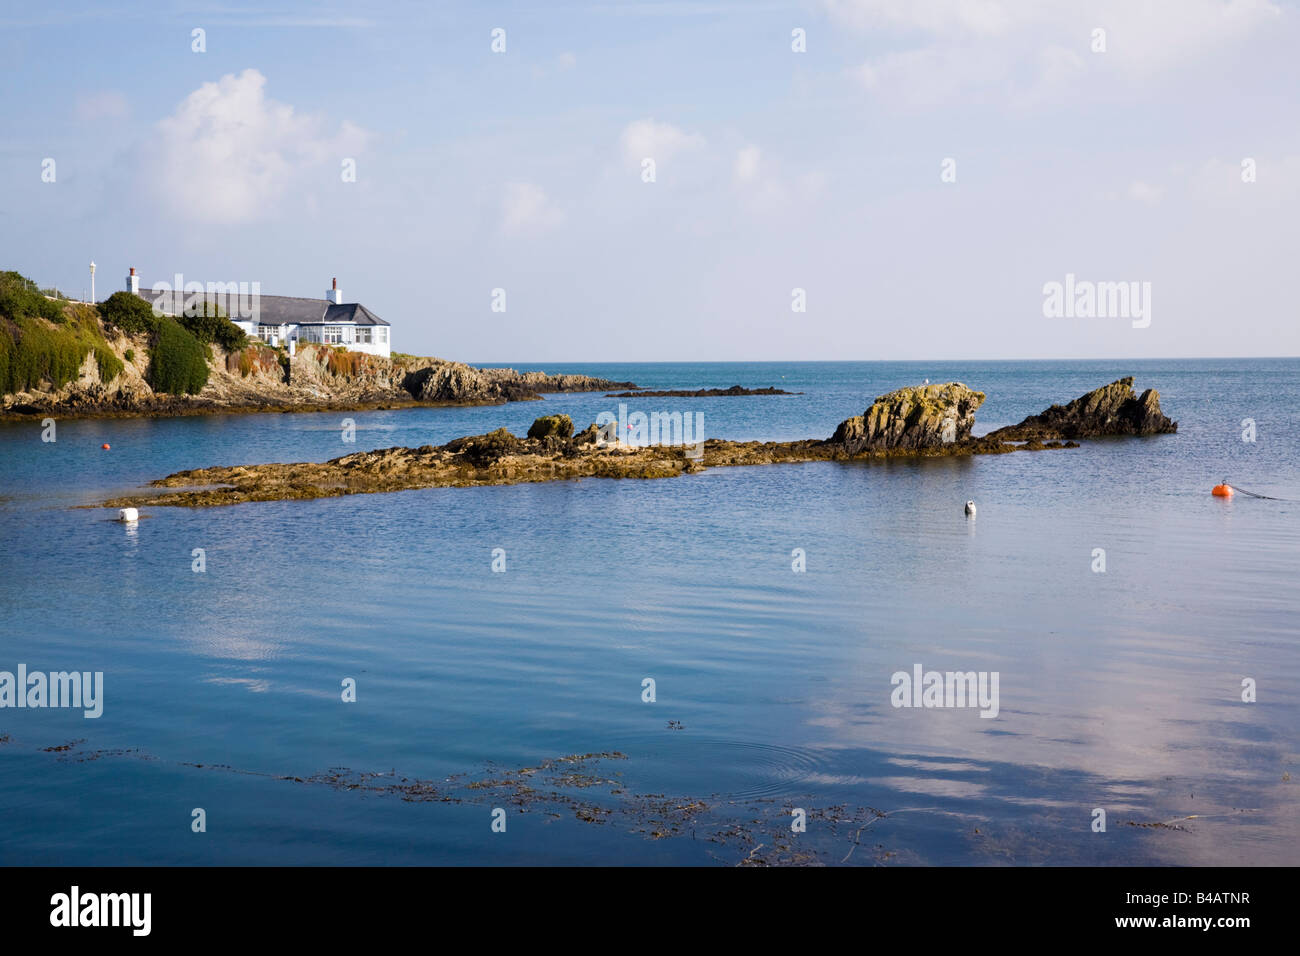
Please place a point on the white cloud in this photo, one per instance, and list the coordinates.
(932, 75)
(527, 210)
(647, 138)
(566, 61)
(954, 50)
(229, 154)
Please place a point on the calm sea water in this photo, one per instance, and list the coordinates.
(1119, 690)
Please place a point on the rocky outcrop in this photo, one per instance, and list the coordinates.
(541, 382)
(1113, 409)
(922, 416)
(929, 421)
(454, 383)
(559, 426)
(451, 383)
(735, 390)
(497, 458)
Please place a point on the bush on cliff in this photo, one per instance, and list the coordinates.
(213, 326)
(178, 357)
(178, 361)
(130, 313)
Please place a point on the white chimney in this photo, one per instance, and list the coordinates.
(133, 282)
(334, 295)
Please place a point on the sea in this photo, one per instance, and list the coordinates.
(713, 670)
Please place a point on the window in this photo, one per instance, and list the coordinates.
(268, 333)
(382, 334)
(363, 336)
(333, 335)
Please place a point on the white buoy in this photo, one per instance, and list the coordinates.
(970, 508)
(128, 515)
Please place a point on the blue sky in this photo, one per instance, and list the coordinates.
(774, 169)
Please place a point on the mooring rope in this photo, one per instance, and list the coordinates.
(1254, 495)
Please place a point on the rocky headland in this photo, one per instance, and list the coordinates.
(72, 360)
(925, 421)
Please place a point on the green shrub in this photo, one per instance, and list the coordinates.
(130, 355)
(130, 313)
(178, 361)
(20, 298)
(211, 325)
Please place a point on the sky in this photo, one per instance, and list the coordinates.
(830, 179)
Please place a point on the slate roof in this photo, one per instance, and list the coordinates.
(278, 309)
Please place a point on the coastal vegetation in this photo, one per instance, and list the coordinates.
(178, 346)
(340, 361)
(128, 313)
(44, 340)
(178, 362)
(252, 358)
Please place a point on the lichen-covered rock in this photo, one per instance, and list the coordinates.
(1113, 409)
(484, 449)
(559, 426)
(923, 416)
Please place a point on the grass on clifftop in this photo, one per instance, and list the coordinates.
(42, 340)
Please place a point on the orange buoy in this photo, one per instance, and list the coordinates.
(105, 446)
(1222, 491)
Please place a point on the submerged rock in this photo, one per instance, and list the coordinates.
(923, 416)
(1113, 409)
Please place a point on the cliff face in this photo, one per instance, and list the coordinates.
(924, 416)
(260, 378)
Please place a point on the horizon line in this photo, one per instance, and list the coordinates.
(1161, 358)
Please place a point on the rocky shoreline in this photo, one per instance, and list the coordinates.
(316, 379)
(926, 421)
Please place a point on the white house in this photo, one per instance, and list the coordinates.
(279, 319)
